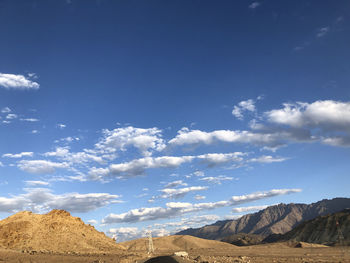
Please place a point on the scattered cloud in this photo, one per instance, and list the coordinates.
(175, 184)
(37, 183)
(29, 119)
(6, 110)
(18, 155)
(11, 116)
(254, 5)
(180, 192)
(267, 159)
(243, 106)
(199, 197)
(321, 32)
(17, 82)
(42, 199)
(40, 166)
(145, 140)
(61, 126)
(216, 179)
(174, 209)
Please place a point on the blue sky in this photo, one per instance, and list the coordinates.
(172, 114)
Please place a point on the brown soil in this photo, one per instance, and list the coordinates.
(56, 231)
(176, 243)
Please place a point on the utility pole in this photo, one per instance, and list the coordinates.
(150, 243)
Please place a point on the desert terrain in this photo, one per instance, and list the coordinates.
(59, 237)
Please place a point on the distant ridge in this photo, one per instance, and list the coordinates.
(332, 229)
(277, 219)
(56, 231)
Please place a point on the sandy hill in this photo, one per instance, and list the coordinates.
(175, 243)
(322, 230)
(277, 219)
(55, 231)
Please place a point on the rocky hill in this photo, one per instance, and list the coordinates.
(56, 231)
(331, 229)
(277, 219)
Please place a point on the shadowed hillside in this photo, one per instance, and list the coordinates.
(332, 229)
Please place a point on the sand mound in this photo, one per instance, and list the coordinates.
(56, 231)
(175, 243)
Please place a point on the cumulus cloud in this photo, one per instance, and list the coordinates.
(249, 208)
(18, 155)
(246, 105)
(42, 199)
(40, 166)
(180, 192)
(138, 166)
(174, 209)
(145, 140)
(328, 120)
(63, 153)
(17, 82)
(213, 159)
(197, 137)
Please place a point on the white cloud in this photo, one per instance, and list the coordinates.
(254, 5)
(29, 119)
(196, 137)
(199, 197)
(42, 199)
(11, 116)
(138, 166)
(6, 110)
(40, 166)
(180, 192)
(217, 179)
(267, 159)
(145, 140)
(248, 208)
(213, 159)
(246, 105)
(325, 119)
(35, 131)
(175, 184)
(37, 183)
(174, 209)
(63, 153)
(61, 126)
(17, 82)
(323, 31)
(18, 155)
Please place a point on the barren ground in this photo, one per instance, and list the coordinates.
(261, 253)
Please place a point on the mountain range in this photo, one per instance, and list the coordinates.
(277, 219)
